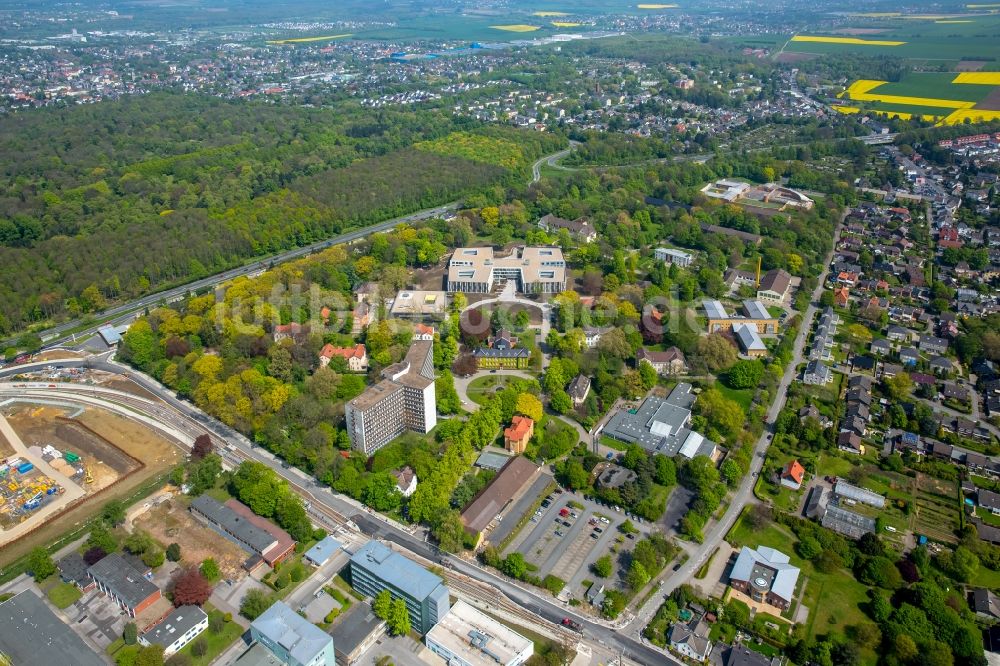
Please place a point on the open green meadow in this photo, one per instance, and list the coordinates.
(935, 85)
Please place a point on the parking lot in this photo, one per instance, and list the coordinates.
(512, 516)
(563, 539)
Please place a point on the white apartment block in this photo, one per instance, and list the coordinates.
(403, 400)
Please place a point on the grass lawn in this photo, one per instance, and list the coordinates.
(482, 388)
(219, 494)
(743, 396)
(613, 443)
(833, 465)
(216, 643)
(987, 578)
(833, 599)
(63, 594)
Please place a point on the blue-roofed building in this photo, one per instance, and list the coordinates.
(376, 567)
(323, 551)
(714, 310)
(660, 425)
(292, 638)
(765, 575)
(750, 342)
(110, 335)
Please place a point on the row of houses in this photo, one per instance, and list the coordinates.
(817, 372)
(857, 414)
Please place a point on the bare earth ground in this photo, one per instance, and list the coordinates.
(55, 355)
(970, 65)
(47, 425)
(170, 522)
(117, 383)
(5, 448)
(154, 451)
(992, 101)
(431, 279)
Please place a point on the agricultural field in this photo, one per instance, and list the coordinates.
(947, 97)
(937, 510)
(308, 40)
(968, 36)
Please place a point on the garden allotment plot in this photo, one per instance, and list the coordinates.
(947, 98)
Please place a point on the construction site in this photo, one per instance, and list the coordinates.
(57, 457)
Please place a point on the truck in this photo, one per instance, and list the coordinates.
(24, 468)
(572, 624)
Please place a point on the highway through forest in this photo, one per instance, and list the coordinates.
(118, 314)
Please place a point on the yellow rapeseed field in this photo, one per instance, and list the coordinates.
(979, 78)
(549, 14)
(860, 91)
(974, 116)
(304, 40)
(566, 24)
(845, 40)
(861, 86)
(516, 27)
(846, 110)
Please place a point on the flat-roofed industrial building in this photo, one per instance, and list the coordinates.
(469, 637)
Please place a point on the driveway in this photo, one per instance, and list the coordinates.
(228, 598)
(677, 507)
(509, 296)
(462, 388)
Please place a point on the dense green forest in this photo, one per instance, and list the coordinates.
(115, 200)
